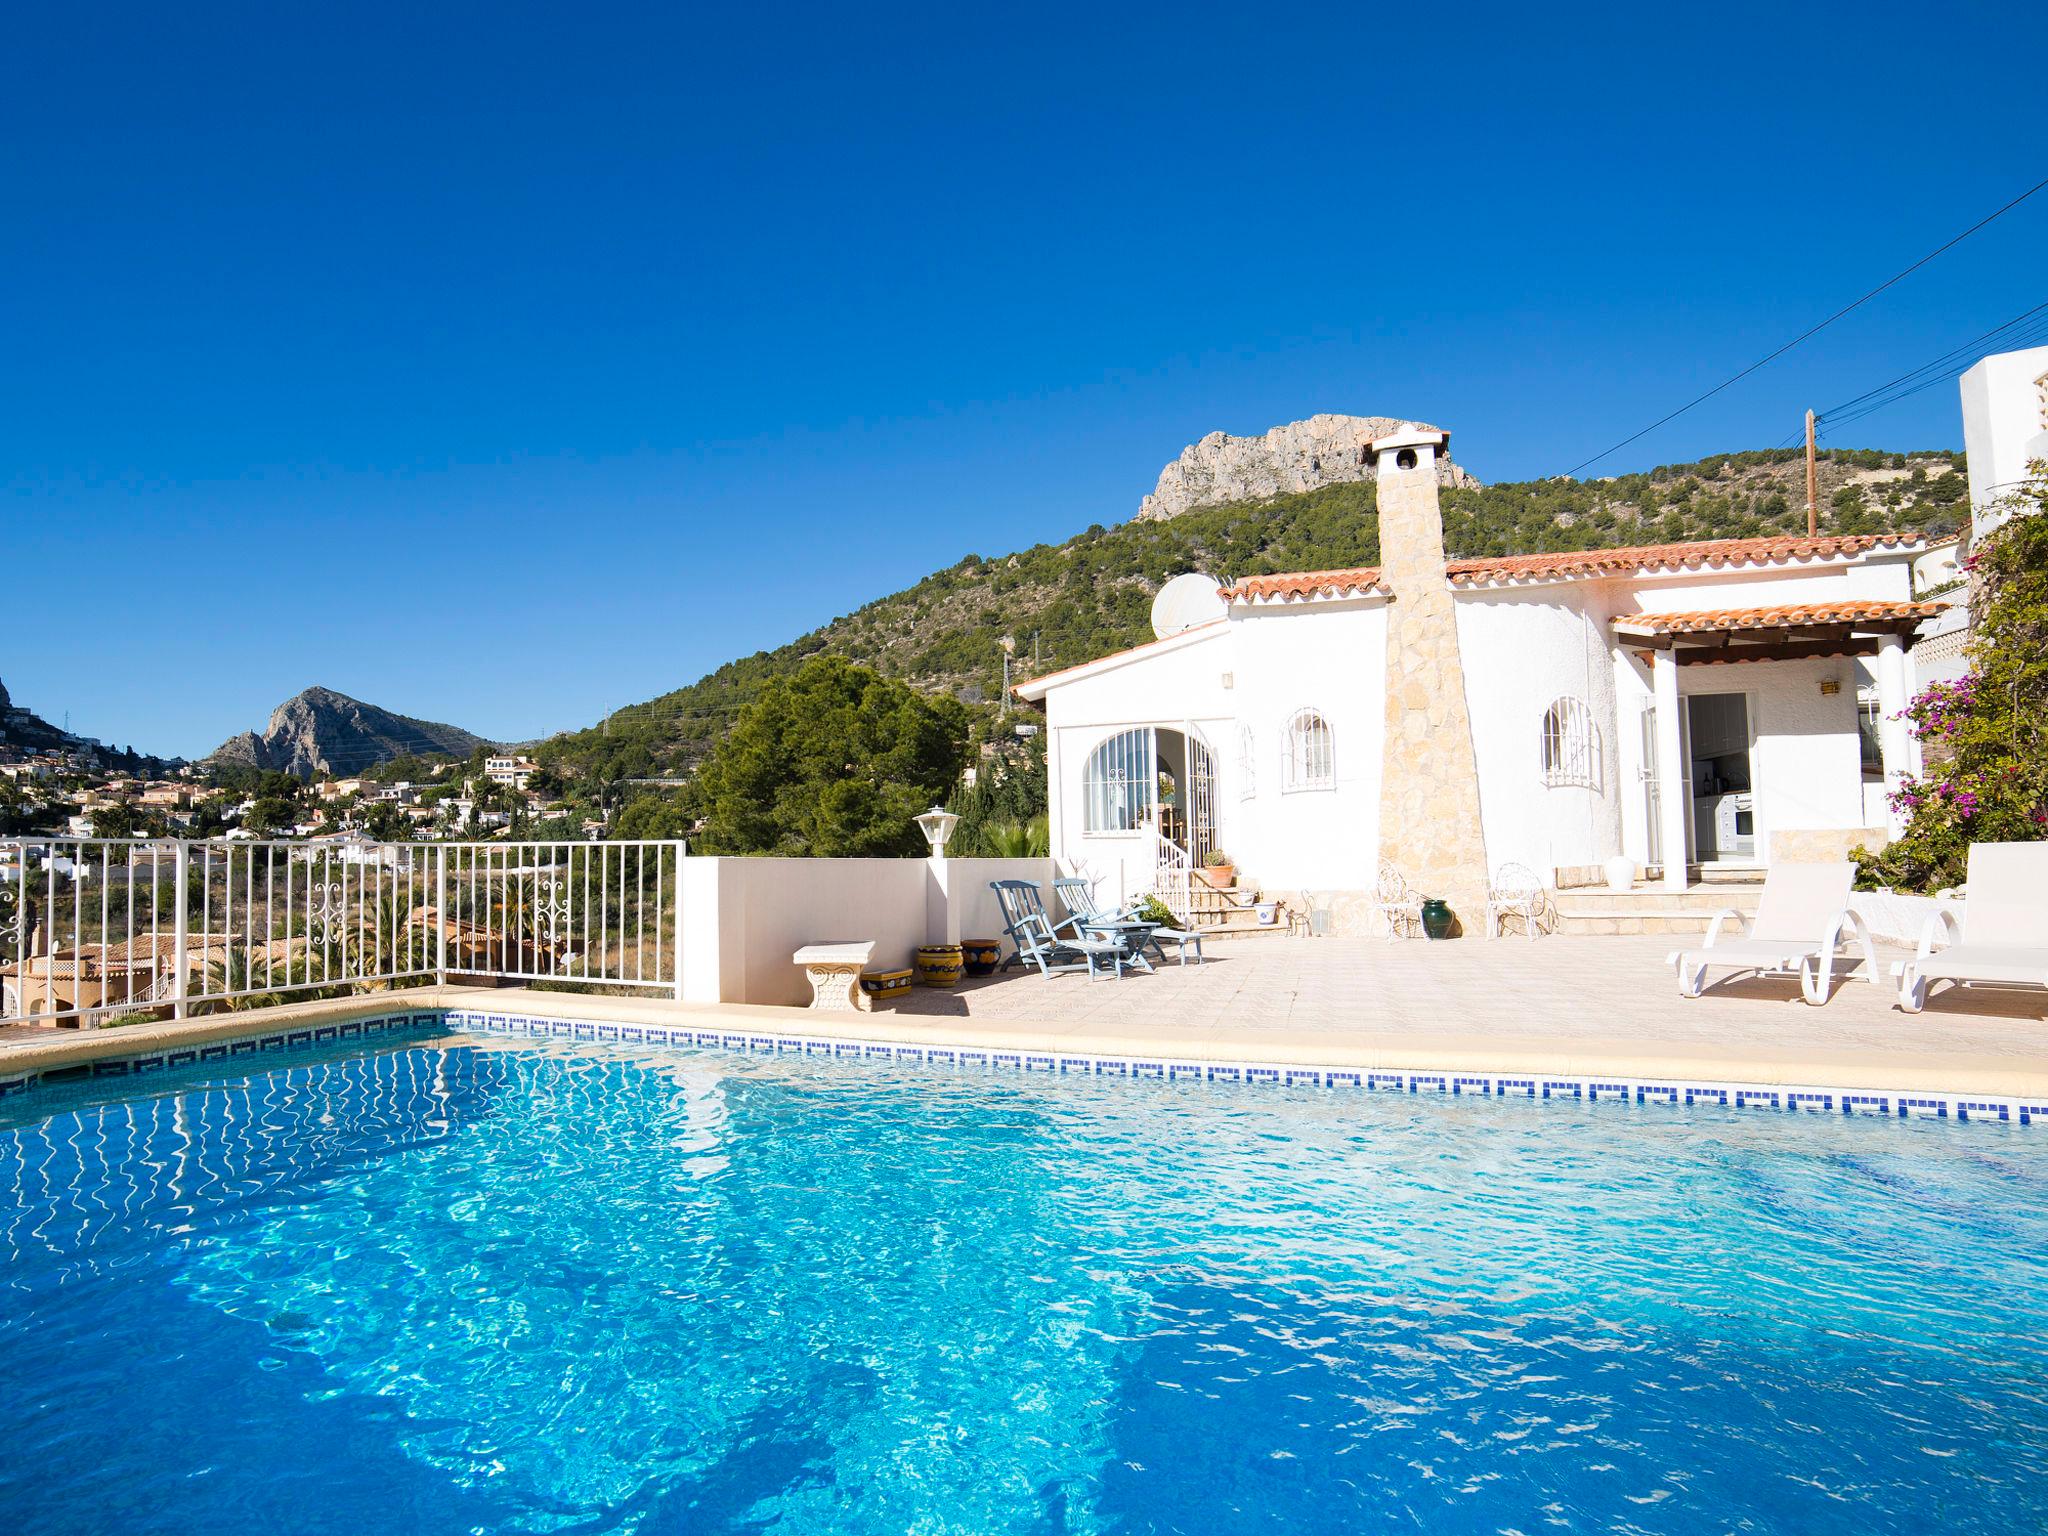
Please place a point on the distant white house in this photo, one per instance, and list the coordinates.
(505, 769)
(1679, 704)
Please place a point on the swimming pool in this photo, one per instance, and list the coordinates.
(463, 1283)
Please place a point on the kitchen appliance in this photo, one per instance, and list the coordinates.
(1735, 825)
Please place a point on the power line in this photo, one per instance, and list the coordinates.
(1813, 329)
(1967, 348)
(2023, 330)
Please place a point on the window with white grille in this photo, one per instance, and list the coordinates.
(1308, 757)
(1118, 783)
(1571, 746)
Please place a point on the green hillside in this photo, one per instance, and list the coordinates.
(1067, 603)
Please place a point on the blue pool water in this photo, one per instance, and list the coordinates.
(469, 1285)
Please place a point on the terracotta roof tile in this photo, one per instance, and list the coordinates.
(1775, 550)
(1857, 611)
(1303, 584)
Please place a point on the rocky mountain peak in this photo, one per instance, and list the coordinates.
(1300, 456)
(322, 731)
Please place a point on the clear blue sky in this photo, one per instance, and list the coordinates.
(501, 364)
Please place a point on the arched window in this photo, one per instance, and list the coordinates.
(1247, 764)
(1571, 746)
(1308, 757)
(1118, 783)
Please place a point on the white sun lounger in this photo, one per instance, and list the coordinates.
(1801, 926)
(2003, 937)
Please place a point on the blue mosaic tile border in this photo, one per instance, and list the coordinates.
(233, 1048)
(1912, 1104)
(1634, 1091)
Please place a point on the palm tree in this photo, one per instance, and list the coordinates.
(1017, 839)
(383, 937)
(240, 970)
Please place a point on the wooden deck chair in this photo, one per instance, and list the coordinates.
(1077, 895)
(1031, 931)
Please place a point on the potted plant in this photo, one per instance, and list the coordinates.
(1218, 870)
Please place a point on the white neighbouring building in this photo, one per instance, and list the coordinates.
(2005, 430)
(1724, 702)
(2005, 433)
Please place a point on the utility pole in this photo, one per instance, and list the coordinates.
(1812, 484)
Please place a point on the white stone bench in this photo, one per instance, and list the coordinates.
(834, 968)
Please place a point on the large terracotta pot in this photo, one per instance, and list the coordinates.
(1221, 877)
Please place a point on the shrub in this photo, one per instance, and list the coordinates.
(1985, 735)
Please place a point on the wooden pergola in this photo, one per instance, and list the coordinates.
(1798, 632)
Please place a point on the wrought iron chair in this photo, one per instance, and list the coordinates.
(1516, 892)
(1397, 903)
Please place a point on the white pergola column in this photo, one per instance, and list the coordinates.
(1674, 797)
(1894, 739)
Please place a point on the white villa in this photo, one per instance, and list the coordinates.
(1719, 703)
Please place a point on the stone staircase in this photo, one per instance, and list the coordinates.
(1652, 909)
(1231, 913)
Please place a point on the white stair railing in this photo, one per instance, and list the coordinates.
(1173, 878)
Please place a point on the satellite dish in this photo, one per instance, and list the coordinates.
(1185, 602)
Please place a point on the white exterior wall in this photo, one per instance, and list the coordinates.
(1522, 651)
(1255, 672)
(1805, 764)
(2005, 425)
(1699, 591)
(1171, 687)
(1330, 657)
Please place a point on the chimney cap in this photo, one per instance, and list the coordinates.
(1413, 437)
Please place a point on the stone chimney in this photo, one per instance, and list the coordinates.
(1429, 782)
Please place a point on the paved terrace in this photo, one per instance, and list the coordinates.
(1565, 1005)
(1604, 1003)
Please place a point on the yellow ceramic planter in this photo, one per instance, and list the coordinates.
(884, 984)
(939, 965)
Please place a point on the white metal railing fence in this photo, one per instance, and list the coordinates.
(95, 929)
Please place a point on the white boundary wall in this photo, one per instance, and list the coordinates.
(744, 917)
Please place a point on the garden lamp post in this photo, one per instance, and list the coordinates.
(937, 826)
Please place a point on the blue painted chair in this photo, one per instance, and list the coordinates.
(1031, 930)
(1077, 895)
